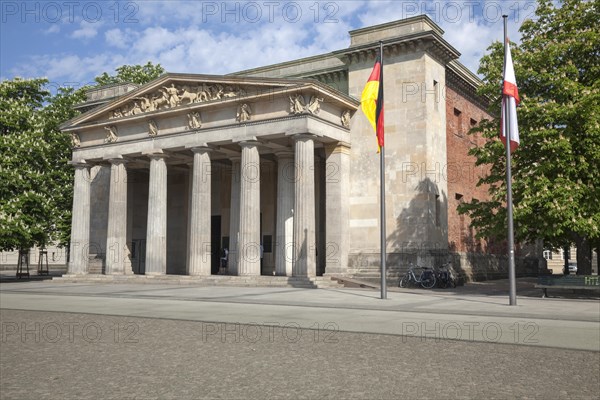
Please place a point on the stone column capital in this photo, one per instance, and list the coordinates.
(303, 137)
(201, 149)
(79, 164)
(117, 160)
(155, 154)
(249, 143)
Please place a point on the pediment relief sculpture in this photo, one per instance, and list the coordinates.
(152, 128)
(112, 134)
(175, 95)
(244, 113)
(299, 106)
(314, 106)
(194, 120)
(75, 140)
(345, 118)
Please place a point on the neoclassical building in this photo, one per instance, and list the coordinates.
(277, 165)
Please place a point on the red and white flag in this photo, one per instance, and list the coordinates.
(510, 95)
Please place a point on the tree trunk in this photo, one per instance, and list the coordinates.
(584, 255)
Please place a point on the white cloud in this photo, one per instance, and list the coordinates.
(118, 38)
(54, 28)
(69, 69)
(87, 30)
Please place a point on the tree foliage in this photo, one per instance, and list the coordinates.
(138, 74)
(36, 190)
(556, 169)
(35, 197)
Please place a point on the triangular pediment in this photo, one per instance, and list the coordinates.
(180, 91)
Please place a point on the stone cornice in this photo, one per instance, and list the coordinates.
(430, 42)
(466, 83)
(318, 59)
(394, 29)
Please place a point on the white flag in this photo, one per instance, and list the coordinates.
(510, 95)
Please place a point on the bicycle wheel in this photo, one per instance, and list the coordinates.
(404, 282)
(428, 281)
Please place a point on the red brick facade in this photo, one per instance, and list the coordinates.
(461, 115)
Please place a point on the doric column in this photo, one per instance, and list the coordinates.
(116, 237)
(304, 208)
(80, 221)
(284, 238)
(156, 231)
(337, 214)
(234, 216)
(249, 238)
(199, 257)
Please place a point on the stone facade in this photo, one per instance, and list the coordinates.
(275, 164)
(161, 189)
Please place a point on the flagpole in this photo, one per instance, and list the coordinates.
(382, 199)
(509, 202)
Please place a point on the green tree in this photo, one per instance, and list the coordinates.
(556, 169)
(36, 180)
(139, 74)
(25, 210)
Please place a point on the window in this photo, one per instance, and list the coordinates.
(459, 128)
(548, 254)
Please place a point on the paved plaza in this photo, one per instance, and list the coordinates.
(73, 341)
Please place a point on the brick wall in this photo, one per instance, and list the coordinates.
(462, 174)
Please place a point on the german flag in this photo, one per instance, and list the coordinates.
(372, 100)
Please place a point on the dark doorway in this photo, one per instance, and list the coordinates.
(138, 256)
(215, 243)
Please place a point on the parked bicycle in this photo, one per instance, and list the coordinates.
(445, 276)
(426, 278)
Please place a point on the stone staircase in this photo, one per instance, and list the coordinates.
(373, 274)
(213, 280)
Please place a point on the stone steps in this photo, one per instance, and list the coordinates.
(213, 280)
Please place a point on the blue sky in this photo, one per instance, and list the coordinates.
(71, 42)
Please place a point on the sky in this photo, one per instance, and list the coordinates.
(71, 42)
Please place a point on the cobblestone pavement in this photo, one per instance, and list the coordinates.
(52, 355)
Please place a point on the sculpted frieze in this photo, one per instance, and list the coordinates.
(112, 134)
(175, 95)
(345, 118)
(75, 140)
(299, 106)
(194, 120)
(152, 128)
(244, 113)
